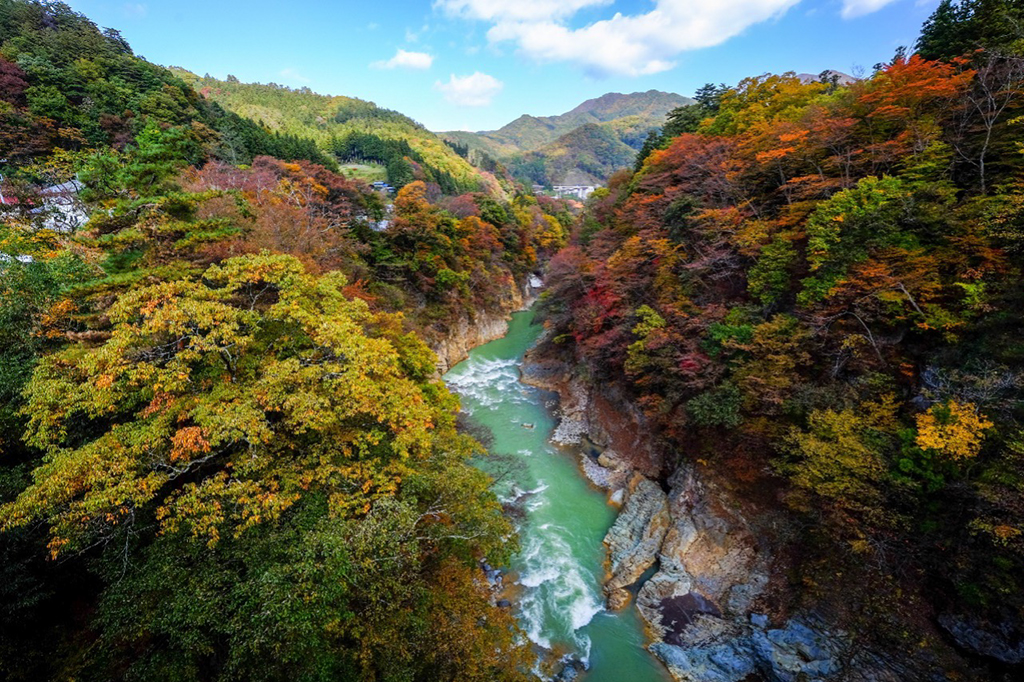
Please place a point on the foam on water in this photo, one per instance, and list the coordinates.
(487, 382)
(562, 595)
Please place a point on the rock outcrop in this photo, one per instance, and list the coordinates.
(714, 650)
(1001, 641)
(635, 538)
(708, 554)
(700, 605)
(711, 569)
(466, 335)
(481, 327)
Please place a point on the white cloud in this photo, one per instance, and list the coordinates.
(412, 36)
(406, 60)
(516, 10)
(294, 76)
(858, 8)
(476, 90)
(624, 44)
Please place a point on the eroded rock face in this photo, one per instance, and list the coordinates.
(1001, 641)
(699, 605)
(573, 425)
(708, 552)
(480, 328)
(710, 572)
(635, 538)
(712, 649)
(715, 650)
(466, 335)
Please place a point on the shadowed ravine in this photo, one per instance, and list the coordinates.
(564, 520)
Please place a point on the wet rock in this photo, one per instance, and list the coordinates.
(572, 669)
(1001, 641)
(618, 599)
(636, 536)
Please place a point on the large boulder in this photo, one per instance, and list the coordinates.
(709, 556)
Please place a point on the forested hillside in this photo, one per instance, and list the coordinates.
(67, 85)
(350, 128)
(596, 138)
(224, 449)
(813, 292)
(589, 154)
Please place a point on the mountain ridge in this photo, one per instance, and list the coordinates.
(332, 121)
(529, 144)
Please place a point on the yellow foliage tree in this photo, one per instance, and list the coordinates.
(952, 428)
(224, 402)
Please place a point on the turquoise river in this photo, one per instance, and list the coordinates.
(561, 561)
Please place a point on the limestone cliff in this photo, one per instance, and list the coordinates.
(480, 327)
(706, 604)
(636, 538)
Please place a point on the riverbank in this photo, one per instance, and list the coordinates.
(695, 559)
(479, 327)
(561, 517)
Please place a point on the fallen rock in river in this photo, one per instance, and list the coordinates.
(635, 538)
(571, 670)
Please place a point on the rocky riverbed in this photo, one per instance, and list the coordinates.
(685, 547)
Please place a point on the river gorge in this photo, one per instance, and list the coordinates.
(564, 518)
(624, 573)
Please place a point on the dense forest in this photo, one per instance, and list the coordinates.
(225, 452)
(813, 291)
(351, 129)
(586, 155)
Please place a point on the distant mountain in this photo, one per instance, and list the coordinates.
(351, 129)
(841, 78)
(586, 155)
(594, 139)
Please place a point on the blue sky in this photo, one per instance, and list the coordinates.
(478, 64)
